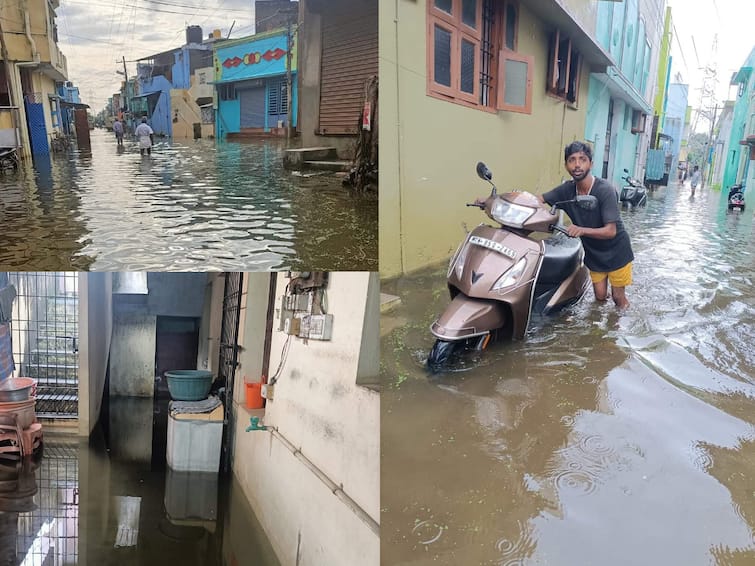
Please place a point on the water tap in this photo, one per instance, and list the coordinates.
(255, 424)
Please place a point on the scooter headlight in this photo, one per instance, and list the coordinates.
(510, 214)
(458, 259)
(512, 276)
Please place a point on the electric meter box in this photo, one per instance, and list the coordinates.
(316, 326)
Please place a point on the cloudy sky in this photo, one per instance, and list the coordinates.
(95, 34)
(696, 23)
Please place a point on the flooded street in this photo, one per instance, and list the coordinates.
(191, 205)
(601, 438)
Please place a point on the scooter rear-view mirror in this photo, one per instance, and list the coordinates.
(483, 172)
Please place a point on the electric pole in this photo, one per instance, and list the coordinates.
(125, 90)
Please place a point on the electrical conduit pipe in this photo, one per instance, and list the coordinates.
(334, 488)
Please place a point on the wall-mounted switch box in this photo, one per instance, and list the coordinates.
(292, 326)
(316, 326)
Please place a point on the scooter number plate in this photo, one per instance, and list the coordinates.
(491, 245)
(737, 208)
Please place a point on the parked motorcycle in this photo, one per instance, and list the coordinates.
(634, 193)
(501, 275)
(736, 198)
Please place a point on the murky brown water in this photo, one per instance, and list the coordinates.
(191, 205)
(600, 438)
(81, 503)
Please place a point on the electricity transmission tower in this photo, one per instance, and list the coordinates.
(707, 107)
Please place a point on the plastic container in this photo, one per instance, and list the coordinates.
(254, 399)
(189, 384)
(194, 441)
(17, 389)
(23, 409)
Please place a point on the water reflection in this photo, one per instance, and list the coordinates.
(77, 504)
(197, 205)
(599, 438)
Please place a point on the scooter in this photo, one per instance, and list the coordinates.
(634, 193)
(736, 198)
(499, 276)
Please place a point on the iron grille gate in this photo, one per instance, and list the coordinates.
(229, 335)
(45, 334)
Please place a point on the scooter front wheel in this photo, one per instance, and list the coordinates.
(443, 350)
(440, 354)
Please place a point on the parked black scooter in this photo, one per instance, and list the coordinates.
(634, 193)
(736, 197)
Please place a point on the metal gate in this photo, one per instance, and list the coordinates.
(35, 120)
(45, 335)
(227, 363)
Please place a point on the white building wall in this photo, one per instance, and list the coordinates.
(319, 409)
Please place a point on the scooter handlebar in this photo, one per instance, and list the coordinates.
(477, 205)
(560, 228)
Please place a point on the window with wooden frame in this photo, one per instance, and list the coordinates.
(564, 65)
(465, 42)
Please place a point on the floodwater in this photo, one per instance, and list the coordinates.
(601, 438)
(191, 205)
(112, 503)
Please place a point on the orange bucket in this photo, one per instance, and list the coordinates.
(254, 398)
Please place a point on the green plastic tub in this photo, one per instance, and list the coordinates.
(189, 384)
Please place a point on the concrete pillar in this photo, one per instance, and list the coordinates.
(132, 354)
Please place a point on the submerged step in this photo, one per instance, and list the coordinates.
(334, 165)
(295, 158)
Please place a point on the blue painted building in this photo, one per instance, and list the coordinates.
(251, 84)
(158, 74)
(69, 98)
(619, 99)
(674, 119)
(740, 157)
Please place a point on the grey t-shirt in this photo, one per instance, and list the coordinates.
(600, 255)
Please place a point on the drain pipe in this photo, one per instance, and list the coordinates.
(32, 43)
(337, 490)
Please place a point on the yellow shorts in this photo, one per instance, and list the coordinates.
(620, 278)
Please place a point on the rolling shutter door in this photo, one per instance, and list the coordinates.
(349, 57)
(252, 103)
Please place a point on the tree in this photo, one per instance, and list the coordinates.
(696, 149)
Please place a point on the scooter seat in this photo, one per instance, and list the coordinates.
(561, 259)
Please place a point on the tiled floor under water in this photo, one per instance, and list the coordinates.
(93, 502)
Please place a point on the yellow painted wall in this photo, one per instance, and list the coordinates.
(429, 147)
(19, 48)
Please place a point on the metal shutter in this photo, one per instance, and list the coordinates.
(349, 57)
(252, 103)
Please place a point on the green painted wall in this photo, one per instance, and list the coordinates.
(743, 124)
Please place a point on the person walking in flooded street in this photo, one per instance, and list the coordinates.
(144, 135)
(695, 179)
(608, 250)
(118, 131)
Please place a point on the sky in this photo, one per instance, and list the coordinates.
(95, 35)
(696, 24)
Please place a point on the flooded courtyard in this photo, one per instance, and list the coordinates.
(191, 205)
(601, 438)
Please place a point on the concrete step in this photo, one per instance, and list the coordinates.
(332, 165)
(295, 158)
(388, 302)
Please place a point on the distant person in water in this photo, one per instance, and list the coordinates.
(144, 135)
(118, 131)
